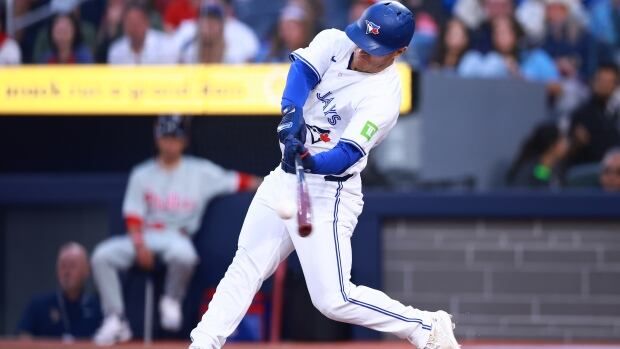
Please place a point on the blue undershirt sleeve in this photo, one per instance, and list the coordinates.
(336, 160)
(300, 81)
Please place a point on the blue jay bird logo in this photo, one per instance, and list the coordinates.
(372, 28)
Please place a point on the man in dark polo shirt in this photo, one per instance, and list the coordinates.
(67, 312)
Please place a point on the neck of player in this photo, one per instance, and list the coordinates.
(169, 162)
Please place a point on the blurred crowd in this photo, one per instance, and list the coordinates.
(570, 46)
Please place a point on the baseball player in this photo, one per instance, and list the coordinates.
(163, 206)
(341, 98)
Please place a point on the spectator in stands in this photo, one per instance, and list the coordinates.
(44, 42)
(111, 27)
(68, 312)
(531, 15)
(610, 171)
(178, 11)
(422, 46)
(605, 24)
(209, 45)
(9, 50)
(478, 16)
(566, 38)
(66, 46)
(594, 125)
(506, 57)
(141, 44)
(163, 206)
(452, 46)
(537, 164)
(241, 41)
(295, 29)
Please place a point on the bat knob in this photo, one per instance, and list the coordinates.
(305, 230)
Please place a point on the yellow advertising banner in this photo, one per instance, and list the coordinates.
(253, 89)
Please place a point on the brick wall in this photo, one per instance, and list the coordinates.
(509, 279)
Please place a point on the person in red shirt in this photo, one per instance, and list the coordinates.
(179, 10)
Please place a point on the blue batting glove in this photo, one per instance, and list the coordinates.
(292, 148)
(292, 124)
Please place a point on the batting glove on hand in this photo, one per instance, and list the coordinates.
(292, 148)
(292, 124)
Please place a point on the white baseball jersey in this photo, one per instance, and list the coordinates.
(347, 105)
(175, 199)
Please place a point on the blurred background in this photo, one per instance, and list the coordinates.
(494, 197)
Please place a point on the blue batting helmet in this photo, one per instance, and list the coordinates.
(383, 28)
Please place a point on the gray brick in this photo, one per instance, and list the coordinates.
(520, 282)
(435, 255)
(605, 283)
(464, 227)
(611, 256)
(451, 282)
(517, 227)
(394, 281)
(551, 256)
(578, 308)
(494, 256)
(494, 308)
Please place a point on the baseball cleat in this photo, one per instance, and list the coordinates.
(442, 334)
(113, 330)
(170, 311)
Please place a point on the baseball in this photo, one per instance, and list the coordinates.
(286, 209)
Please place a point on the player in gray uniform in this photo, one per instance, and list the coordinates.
(164, 202)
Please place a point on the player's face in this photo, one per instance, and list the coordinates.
(170, 148)
(367, 63)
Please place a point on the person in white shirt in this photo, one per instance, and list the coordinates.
(141, 44)
(242, 44)
(10, 53)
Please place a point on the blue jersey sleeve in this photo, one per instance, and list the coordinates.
(300, 81)
(337, 160)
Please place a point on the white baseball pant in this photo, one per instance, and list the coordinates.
(325, 256)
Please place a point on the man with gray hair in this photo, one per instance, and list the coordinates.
(67, 312)
(610, 170)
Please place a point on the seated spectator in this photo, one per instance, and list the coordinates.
(295, 29)
(178, 11)
(10, 52)
(164, 203)
(242, 42)
(43, 41)
(68, 312)
(478, 15)
(594, 125)
(141, 44)
(209, 45)
(452, 46)
(506, 58)
(66, 45)
(111, 27)
(421, 48)
(566, 37)
(610, 171)
(538, 161)
(605, 24)
(531, 16)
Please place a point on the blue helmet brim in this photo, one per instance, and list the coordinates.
(365, 42)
